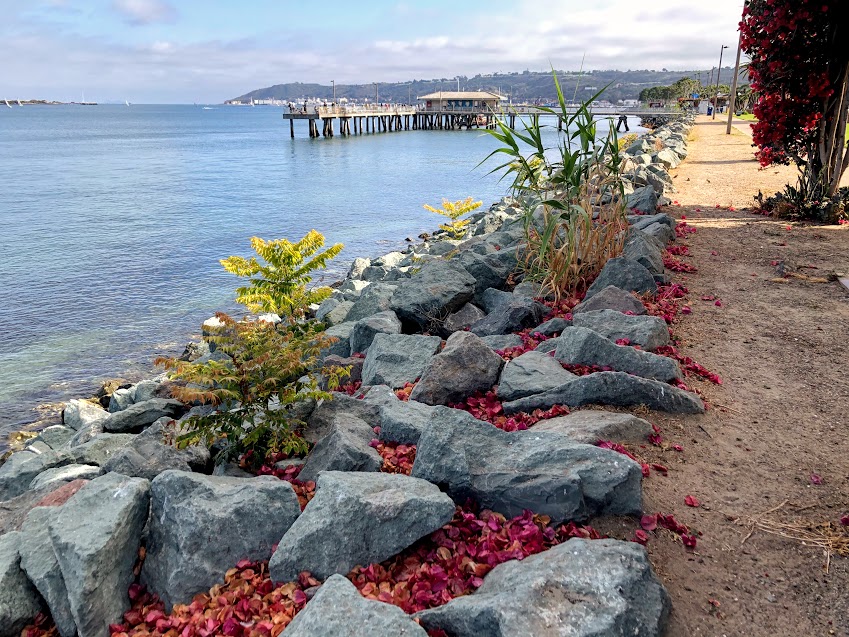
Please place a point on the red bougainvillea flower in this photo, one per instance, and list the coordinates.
(640, 537)
(816, 479)
(845, 520)
(686, 310)
(692, 501)
(648, 522)
(717, 303)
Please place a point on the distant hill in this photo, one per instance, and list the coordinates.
(528, 86)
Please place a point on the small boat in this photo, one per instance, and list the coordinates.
(126, 102)
(208, 108)
(7, 103)
(19, 103)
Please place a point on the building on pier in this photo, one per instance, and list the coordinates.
(461, 101)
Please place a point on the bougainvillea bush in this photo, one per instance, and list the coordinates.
(800, 70)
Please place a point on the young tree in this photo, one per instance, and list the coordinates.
(799, 71)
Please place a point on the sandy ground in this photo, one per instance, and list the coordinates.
(779, 422)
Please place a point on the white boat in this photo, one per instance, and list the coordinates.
(19, 103)
(208, 108)
(7, 103)
(126, 102)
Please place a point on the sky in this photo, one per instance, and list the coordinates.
(207, 51)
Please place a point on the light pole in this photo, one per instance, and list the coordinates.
(333, 83)
(732, 99)
(718, 71)
(376, 93)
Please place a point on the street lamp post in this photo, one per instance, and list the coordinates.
(718, 71)
(333, 83)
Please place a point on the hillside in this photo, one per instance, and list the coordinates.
(521, 87)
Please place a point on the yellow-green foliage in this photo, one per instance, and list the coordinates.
(265, 369)
(278, 282)
(627, 140)
(454, 210)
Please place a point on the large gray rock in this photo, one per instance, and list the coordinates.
(462, 318)
(140, 415)
(55, 436)
(398, 359)
(624, 274)
(661, 232)
(358, 518)
(492, 299)
(531, 373)
(81, 413)
(645, 250)
(147, 458)
(667, 158)
(583, 346)
(166, 431)
(95, 537)
(489, 271)
(500, 342)
(552, 326)
(375, 298)
(610, 298)
(642, 199)
(338, 610)
(140, 392)
(345, 448)
(100, 448)
(404, 421)
(465, 366)
(436, 291)
(649, 332)
(322, 420)
(200, 526)
(19, 600)
(640, 222)
(589, 426)
(581, 588)
(68, 473)
(42, 568)
(613, 388)
(510, 472)
(342, 334)
(366, 329)
(520, 313)
(18, 472)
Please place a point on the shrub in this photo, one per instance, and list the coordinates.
(627, 140)
(279, 283)
(793, 204)
(454, 210)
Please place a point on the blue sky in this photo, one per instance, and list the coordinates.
(182, 51)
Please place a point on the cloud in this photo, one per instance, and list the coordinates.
(142, 12)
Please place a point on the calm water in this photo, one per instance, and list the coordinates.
(114, 219)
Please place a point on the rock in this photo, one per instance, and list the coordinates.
(531, 373)
(397, 359)
(165, 432)
(529, 290)
(345, 448)
(624, 274)
(465, 366)
(642, 199)
(462, 318)
(364, 330)
(342, 346)
(639, 147)
(146, 458)
(325, 307)
(68, 473)
(120, 400)
(649, 332)
(56, 436)
(520, 313)
(82, 413)
(35, 445)
(201, 526)
(357, 266)
(645, 250)
(339, 314)
(338, 610)
(140, 415)
(18, 472)
(353, 363)
(353, 288)
(375, 298)
(552, 326)
(100, 448)
(436, 291)
(610, 298)
(590, 426)
(232, 470)
(58, 496)
(641, 222)
(95, 537)
(612, 388)
(42, 568)
(358, 518)
(322, 421)
(19, 600)
(492, 299)
(489, 271)
(661, 232)
(403, 421)
(667, 158)
(581, 588)
(510, 472)
(500, 342)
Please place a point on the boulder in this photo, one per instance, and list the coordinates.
(520, 313)
(322, 420)
(500, 342)
(667, 158)
(357, 266)
(462, 318)
(643, 199)
(56, 436)
(366, 329)
(19, 600)
(81, 413)
(649, 332)
(489, 271)
(612, 388)
(610, 298)
(581, 588)
(531, 373)
(143, 414)
(589, 426)
(338, 610)
(68, 473)
(465, 366)
(18, 472)
(165, 431)
(492, 299)
(552, 326)
(358, 518)
(624, 274)
(403, 421)
(397, 359)
(641, 222)
(95, 537)
(42, 568)
(201, 526)
(342, 334)
(436, 291)
(147, 458)
(661, 232)
(375, 298)
(645, 250)
(510, 472)
(345, 448)
(100, 448)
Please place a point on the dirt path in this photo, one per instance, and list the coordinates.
(780, 419)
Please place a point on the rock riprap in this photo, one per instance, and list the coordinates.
(140, 415)
(357, 519)
(581, 588)
(590, 426)
(510, 472)
(397, 359)
(439, 289)
(345, 448)
(531, 373)
(19, 600)
(200, 526)
(624, 274)
(649, 332)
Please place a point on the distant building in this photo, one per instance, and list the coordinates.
(462, 100)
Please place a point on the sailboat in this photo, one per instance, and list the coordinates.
(19, 103)
(7, 103)
(126, 102)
